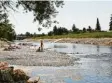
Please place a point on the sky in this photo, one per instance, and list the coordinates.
(81, 13)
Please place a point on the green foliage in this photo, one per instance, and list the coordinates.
(50, 33)
(84, 30)
(55, 30)
(74, 29)
(80, 35)
(62, 30)
(6, 31)
(98, 28)
(110, 23)
(43, 11)
(27, 34)
(58, 31)
(89, 29)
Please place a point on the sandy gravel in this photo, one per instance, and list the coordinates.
(29, 57)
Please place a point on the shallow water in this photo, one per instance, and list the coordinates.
(94, 65)
(80, 48)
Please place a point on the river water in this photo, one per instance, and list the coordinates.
(93, 66)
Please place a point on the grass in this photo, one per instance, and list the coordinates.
(79, 35)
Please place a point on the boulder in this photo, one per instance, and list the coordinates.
(9, 75)
(6, 75)
(19, 75)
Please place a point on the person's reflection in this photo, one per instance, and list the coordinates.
(98, 49)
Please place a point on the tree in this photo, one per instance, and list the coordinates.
(110, 23)
(43, 34)
(55, 30)
(42, 10)
(84, 29)
(74, 29)
(65, 31)
(89, 29)
(27, 34)
(6, 29)
(60, 31)
(34, 34)
(50, 33)
(98, 28)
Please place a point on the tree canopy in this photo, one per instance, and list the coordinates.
(6, 29)
(43, 11)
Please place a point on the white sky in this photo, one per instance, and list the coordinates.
(81, 13)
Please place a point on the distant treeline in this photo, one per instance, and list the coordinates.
(29, 35)
(41, 14)
(74, 30)
(7, 31)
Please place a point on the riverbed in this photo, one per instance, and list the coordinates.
(93, 64)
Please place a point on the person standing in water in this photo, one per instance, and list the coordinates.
(41, 45)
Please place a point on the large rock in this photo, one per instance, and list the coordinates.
(6, 75)
(19, 75)
(9, 75)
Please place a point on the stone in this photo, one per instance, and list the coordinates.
(9, 75)
(34, 80)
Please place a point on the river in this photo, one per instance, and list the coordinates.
(93, 66)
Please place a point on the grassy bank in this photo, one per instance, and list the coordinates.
(79, 35)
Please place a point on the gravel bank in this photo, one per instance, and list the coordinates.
(29, 57)
(94, 41)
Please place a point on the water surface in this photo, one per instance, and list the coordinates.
(94, 64)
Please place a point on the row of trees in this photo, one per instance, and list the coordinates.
(58, 31)
(29, 35)
(62, 30)
(89, 29)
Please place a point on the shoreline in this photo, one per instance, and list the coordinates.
(92, 41)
